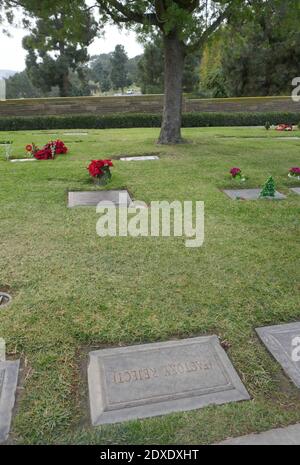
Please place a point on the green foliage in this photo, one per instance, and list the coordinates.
(151, 69)
(20, 86)
(57, 45)
(193, 22)
(260, 57)
(212, 79)
(132, 68)
(139, 120)
(269, 188)
(118, 74)
(191, 72)
(256, 53)
(100, 68)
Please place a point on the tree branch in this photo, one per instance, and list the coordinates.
(124, 14)
(207, 33)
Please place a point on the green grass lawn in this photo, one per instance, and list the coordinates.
(73, 291)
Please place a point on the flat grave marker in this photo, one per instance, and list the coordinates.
(143, 158)
(22, 160)
(75, 133)
(8, 384)
(250, 194)
(120, 198)
(288, 138)
(283, 341)
(296, 190)
(155, 379)
(260, 137)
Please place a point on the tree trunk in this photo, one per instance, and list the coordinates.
(174, 62)
(64, 87)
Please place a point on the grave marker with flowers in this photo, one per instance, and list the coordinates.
(49, 151)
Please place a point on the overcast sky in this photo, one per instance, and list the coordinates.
(12, 54)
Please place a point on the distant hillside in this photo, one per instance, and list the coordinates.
(6, 73)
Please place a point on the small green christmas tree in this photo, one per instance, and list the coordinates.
(269, 189)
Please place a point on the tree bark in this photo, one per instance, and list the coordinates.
(64, 87)
(172, 113)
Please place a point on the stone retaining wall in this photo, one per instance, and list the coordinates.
(140, 104)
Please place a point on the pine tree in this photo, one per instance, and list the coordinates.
(118, 74)
(57, 46)
(269, 189)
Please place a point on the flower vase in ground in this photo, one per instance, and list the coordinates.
(103, 179)
(100, 171)
(294, 173)
(8, 149)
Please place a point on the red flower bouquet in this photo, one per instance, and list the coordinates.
(49, 151)
(294, 172)
(236, 173)
(100, 171)
(284, 127)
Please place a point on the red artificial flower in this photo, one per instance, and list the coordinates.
(47, 152)
(108, 162)
(43, 154)
(284, 127)
(235, 172)
(97, 167)
(60, 147)
(295, 171)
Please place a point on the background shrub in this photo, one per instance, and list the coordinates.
(143, 120)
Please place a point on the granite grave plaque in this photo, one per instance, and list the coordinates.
(296, 190)
(120, 198)
(287, 137)
(283, 341)
(75, 133)
(250, 194)
(155, 379)
(8, 385)
(144, 158)
(22, 160)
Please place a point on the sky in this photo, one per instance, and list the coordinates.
(12, 54)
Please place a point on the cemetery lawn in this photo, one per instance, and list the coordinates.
(74, 292)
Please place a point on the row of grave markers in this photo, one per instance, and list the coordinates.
(90, 198)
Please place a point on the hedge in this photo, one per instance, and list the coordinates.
(144, 120)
